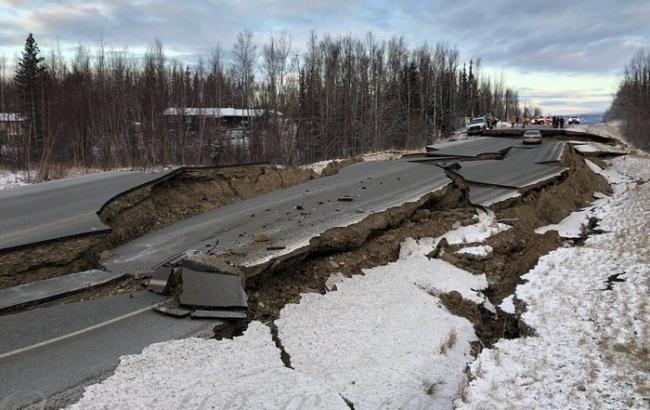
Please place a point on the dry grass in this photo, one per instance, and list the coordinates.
(463, 389)
(450, 342)
(430, 387)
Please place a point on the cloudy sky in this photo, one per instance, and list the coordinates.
(565, 56)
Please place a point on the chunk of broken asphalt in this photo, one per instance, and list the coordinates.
(164, 280)
(171, 310)
(211, 288)
(209, 263)
(218, 314)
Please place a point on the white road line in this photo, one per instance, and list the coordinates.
(77, 333)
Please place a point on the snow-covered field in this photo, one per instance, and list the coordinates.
(589, 307)
(381, 340)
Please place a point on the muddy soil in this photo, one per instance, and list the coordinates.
(47, 261)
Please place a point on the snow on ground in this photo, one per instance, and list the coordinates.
(483, 229)
(388, 155)
(480, 251)
(318, 167)
(194, 373)
(589, 308)
(572, 226)
(9, 179)
(508, 305)
(381, 340)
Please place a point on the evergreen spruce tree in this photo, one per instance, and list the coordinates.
(29, 79)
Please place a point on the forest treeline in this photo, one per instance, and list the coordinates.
(632, 101)
(333, 97)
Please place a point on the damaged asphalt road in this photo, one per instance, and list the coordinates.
(256, 231)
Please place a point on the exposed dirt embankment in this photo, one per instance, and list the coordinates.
(372, 242)
(152, 207)
(47, 261)
(191, 193)
(517, 250)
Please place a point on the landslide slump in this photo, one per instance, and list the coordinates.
(149, 208)
(516, 251)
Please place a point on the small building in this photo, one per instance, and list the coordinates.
(11, 123)
(214, 117)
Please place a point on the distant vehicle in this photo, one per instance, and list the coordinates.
(573, 120)
(477, 125)
(532, 137)
(538, 121)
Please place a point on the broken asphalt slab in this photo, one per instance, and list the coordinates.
(386, 184)
(472, 148)
(218, 314)
(208, 283)
(488, 196)
(49, 289)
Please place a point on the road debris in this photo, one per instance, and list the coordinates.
(210, 283)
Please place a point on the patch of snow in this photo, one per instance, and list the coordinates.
(481, 251)
(487, 226)
(508, 305)
(592, 334)
(388, 155)
(245, 372)
(9, 179)
(572, 226)
(382, 338)
(318, 167)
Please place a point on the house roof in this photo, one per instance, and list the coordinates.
(216, 112)
(10, 117)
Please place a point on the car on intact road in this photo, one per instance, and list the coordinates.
(532, 137)
(574, 120)
(477, 125)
